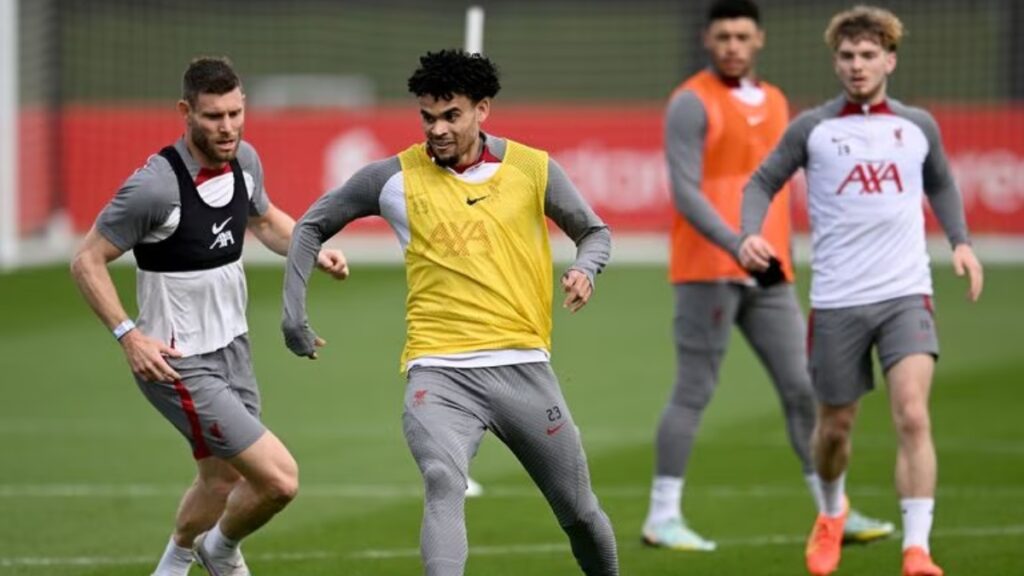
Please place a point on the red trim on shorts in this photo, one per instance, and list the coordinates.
(928, 305)
(810, 332)
(200, 450)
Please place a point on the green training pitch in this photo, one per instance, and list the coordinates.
(90, 474)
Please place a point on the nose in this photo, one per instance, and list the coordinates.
(439, 128)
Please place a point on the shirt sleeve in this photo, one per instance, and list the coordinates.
(939, 185)
(144, 202)
(686, 126)
(249, 161)
(356, 198)
(564, 204)
(789, 155)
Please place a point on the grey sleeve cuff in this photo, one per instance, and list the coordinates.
(570, 212)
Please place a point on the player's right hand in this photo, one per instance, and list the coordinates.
(756, 253)
(147, 357)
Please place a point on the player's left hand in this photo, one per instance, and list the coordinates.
(301, 339)
(577, 288)
(965, 262)
(333, 262)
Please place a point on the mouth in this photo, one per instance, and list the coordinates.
(440, 147)
(227, 145)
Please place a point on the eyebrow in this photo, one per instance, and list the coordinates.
(442, 113)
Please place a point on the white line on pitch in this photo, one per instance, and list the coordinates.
(511, 550)
(408, 491)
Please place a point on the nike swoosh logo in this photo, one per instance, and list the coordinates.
(837, 140)
(218, 228)
(755, 120)
(472, 201)
(554, 429)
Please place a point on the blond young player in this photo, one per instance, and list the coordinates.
(869, 161)
(720, 124)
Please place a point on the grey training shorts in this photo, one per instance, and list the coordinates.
(840, 342)
(216, 404)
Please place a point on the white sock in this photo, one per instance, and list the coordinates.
(218, 545)
(666, 499)
(175, 562)
(834, 492)
(814, 485)
(917, 521)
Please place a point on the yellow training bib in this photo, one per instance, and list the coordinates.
(478, 262)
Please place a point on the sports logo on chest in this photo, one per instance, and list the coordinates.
(460, 239)
(872, 177)
(222, 238)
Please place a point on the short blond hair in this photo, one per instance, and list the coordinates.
(865, 23)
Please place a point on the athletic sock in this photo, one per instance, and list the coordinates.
(666, 499)
(218, 545)
(834, 493)
(814, 485)
(917, 521)
(175, 562)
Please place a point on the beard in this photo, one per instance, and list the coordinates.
(449, 161)
(206, 145)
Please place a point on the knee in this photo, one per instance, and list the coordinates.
(912, 421)
(282, 489)
(692, 392)
(441, 480)
(835, 429)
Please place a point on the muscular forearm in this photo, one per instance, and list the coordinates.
(274, 230)
(93, 280)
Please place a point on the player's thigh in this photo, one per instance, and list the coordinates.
(704, 314)
(266, 462)
(443, 415)
(773, 324)
(839, 342)
(906, 328)
(203, 407)
(532, 418)
(238, 357)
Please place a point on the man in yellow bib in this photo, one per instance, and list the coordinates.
(469, 211)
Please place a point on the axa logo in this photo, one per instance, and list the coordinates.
(456, 238)
(224, 238)
(871, 178)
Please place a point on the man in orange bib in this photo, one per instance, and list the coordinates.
(720, 125)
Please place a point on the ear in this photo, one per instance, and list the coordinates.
(890, 62)
(183, 108)
(706, 34)
(483, 109)
(759, 38)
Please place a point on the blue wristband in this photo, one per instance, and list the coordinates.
(123, 328)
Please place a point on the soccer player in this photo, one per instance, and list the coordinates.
(469, 211)
(720, 124)
(869, 162)
(185, 215)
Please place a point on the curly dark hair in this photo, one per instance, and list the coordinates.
(729, 9)
(448, 73)
(208, 75)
